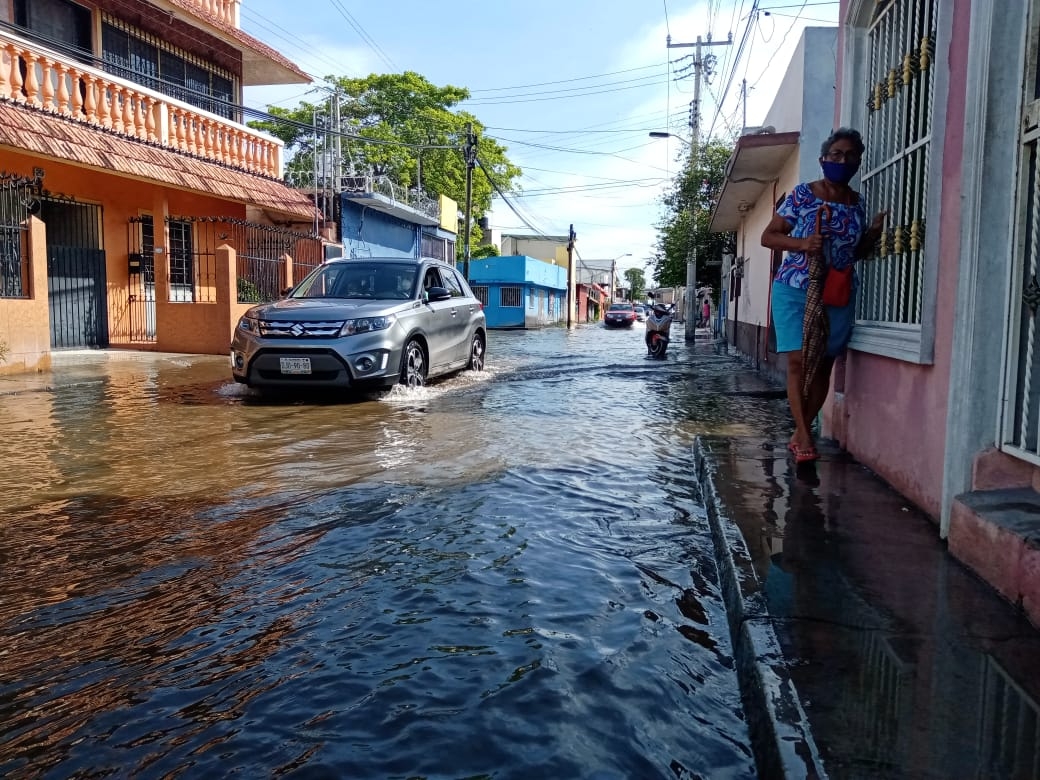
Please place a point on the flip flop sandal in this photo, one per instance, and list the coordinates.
(802, 456)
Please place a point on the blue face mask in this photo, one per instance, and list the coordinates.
(839, 172)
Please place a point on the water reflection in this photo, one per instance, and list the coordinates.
(938, 680)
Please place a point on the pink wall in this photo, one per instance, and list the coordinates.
(883, 395)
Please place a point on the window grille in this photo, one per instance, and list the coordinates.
(433, 247)
(480, 292)
(153, 63)
(898, 130)
(512, 297)
(1022, 428)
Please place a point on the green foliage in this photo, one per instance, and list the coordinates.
(396, 113)
(684, 227)
(636, 283)
(248, 292)
(485, 250)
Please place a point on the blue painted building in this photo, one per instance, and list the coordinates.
(376, 221)
(519, 291)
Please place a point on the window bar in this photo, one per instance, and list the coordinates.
(1027, 364)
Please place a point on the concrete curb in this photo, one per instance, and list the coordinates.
(780, 734)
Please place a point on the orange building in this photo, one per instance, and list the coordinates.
(126, 169)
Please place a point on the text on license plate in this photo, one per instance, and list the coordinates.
(295, 365)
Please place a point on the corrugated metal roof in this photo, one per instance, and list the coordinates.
(26, 129)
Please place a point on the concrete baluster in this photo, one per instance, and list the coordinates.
(63, 88)
(6, 56)
(16, 73)
(128, 110)
(32, 84)
(104, 104)
(115, 108)
(139, 128)
(46, 84)
(149, 118)
(78, 88)
(90, 104)
(176, 137)
(200, 139)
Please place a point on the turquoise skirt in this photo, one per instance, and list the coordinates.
(788, 309)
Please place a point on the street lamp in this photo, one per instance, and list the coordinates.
(691, 265)
(662, 134)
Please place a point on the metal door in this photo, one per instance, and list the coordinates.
(76, 288)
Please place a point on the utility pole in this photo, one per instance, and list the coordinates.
(743, 94)
(571, 236)
(471, 161)
(702, 67)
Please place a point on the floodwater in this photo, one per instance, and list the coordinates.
(507, 574)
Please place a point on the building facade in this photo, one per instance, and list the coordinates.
(374, 220)
(519, 291)
(121, 132)
(767, 162)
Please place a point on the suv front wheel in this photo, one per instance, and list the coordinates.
(413, 365)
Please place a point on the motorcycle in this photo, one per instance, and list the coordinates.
(658, 326)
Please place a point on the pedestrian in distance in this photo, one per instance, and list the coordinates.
(822, 227)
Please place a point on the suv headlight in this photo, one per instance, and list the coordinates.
(366, 324)
(249, 324)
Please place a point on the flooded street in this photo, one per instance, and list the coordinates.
(503, 575)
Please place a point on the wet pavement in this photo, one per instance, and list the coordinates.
(522, 573)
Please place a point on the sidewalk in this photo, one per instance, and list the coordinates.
(869, 651)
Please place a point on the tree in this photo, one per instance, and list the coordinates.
(396, 125)
(485, 250)
(636, 283)
(688, 209)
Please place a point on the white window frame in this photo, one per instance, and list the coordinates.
(913, 343)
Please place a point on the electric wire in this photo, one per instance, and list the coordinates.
(363, 34)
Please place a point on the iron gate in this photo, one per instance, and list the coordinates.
(76, 287)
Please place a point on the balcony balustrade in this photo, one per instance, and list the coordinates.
(226, 11)
(54, 84)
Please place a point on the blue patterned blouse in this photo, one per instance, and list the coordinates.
(841, 234)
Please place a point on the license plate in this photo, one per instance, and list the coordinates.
(295, 365)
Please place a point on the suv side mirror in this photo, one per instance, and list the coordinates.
(438, 294)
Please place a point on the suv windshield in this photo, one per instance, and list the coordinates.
(620, 307)
(358, 279)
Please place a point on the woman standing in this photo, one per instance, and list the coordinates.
(822, 220)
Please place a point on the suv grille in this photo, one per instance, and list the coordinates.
(280, 329)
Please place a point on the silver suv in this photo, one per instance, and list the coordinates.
(363, 323)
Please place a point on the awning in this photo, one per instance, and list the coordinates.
(25, 129)
(756, 161)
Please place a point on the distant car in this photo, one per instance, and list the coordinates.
(367, 323)
(640, 312)
(620, 315)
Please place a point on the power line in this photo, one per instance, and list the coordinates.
(566, 81)
(365, 37)
(538, 97)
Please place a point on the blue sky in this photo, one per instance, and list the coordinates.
(570, 87)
